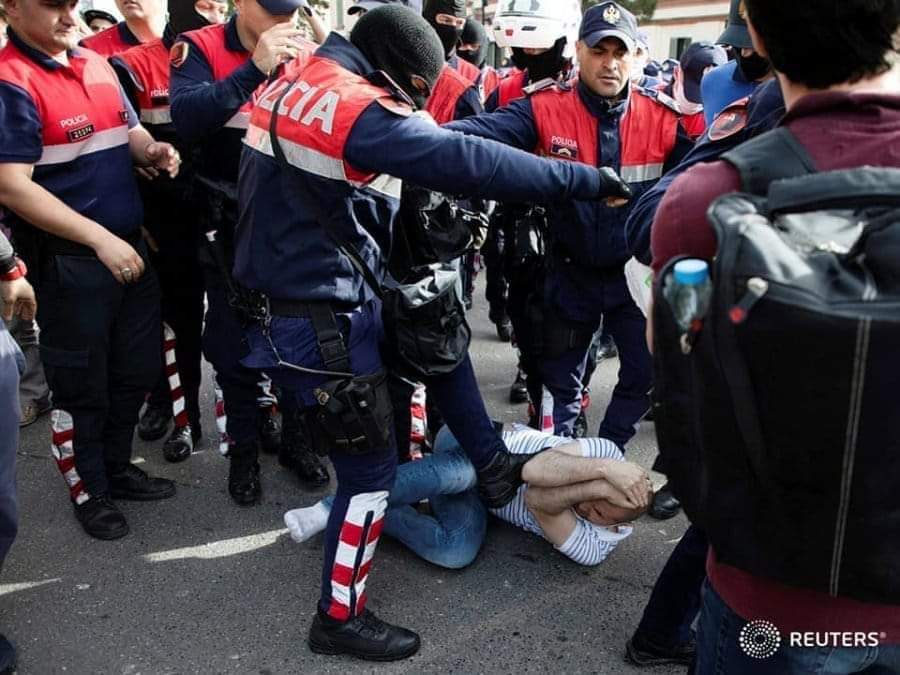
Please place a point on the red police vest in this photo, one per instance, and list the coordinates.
(315, 119)
(694, 125)
(467, 70)
(511, 88)
(149, 66)
(489, 81)
(110, 42)
(567, 130)
(449, 88)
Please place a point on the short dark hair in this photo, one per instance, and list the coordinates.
(827, 42)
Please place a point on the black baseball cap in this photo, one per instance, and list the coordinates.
(90, 14)
(736, 34)
(366, 5)
(696, 59)
(606, 20)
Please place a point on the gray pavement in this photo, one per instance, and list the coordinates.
(202, 586)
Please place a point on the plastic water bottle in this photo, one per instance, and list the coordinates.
(688, 291)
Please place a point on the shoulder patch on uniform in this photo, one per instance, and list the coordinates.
(397, 107)
(540, 85)
(179, 53)
(661, 98)
(730, 121)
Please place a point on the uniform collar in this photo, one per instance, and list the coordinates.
(232, 39)
(125, 33)
(168, 36)
(600, 106)
(339, 49)
(36, 55)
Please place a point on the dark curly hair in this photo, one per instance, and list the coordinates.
(827, 42)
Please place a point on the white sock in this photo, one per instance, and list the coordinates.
(308, 522)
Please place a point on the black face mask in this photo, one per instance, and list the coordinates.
(549, 64)
(754, 67)
(183, 17)
(476, 58)
(449, 35)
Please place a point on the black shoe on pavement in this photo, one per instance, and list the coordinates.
(243, 475)
(664, 504)
(305, 463)
(642, 654)
(518, 392)
(180, 443)
(365, 637)
(154, 423)
(101, 518)
(504, 330)
(133, 484)
(270, 433)
(607, 349)
(499, 481)
(7, 656)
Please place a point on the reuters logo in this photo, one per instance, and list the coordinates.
(760, 639)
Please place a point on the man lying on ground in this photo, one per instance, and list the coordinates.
(578, 495)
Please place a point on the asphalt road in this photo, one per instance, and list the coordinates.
(202, 586)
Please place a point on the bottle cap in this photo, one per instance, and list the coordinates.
(691, 272)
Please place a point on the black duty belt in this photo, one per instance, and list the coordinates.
(297, 309)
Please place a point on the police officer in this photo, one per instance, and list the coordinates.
(600, 121)
(214, 72)
(144, 22)
(448, 18)
(343, 132)
(698, 59)
(171, 218)
(16, 298)
(542, 38)
(69, 141)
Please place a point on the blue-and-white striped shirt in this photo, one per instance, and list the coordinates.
(588, 544)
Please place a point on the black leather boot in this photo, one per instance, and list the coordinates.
(180, 443)
(518, 392)
(243, 476)
(664, 504)
(131, 483)
(101, 518)
(154, 423)
(295, 453)
(365, 637)
(499, 481)
(270, 432)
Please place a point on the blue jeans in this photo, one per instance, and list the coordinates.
(720, 653)
(12, 365)
(453, 536)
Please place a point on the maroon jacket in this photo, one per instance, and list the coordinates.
(840, 131)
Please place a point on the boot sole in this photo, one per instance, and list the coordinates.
(143, 497)
(107, 537)
(336, 651)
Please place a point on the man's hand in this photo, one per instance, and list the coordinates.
(162, 157)
(613, 189)
(276, 45)
(120, 258)
(18, 298)
(631, 480)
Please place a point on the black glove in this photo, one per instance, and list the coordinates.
(611, 186)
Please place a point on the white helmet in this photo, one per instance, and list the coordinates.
(537, 24)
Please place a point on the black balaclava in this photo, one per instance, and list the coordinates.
(399, 42)
(448, 34)
(472, 34)
(549, 64)
(754, 67)
(183, 17)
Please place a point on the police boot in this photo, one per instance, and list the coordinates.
(243, 476)
(180, 443)
(365, 637)
(270, 432)
(664, 504)
(101, 518)
(518, 392)
(499, 481)
(296, 455)
(504, 330)
(607, 348)
(154, 423)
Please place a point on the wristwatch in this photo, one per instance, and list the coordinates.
(12, 268)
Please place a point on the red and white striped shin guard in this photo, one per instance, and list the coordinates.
(546, 420)
(62, 430)
(359, 535)
(222, 423)
(174, 378)
(418, 427)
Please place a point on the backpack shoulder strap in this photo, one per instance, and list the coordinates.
(774, 155)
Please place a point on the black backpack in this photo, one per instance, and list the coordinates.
(780, 426)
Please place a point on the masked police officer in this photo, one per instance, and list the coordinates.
(325, 150)
(599, 121)
(214, 72)
(68, 141)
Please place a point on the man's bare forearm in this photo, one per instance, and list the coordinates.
(552, 469)
(557, 499)
(20, 194)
